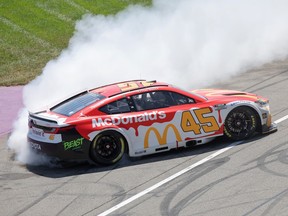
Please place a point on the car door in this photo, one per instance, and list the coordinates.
(198, 119)
(160, 132)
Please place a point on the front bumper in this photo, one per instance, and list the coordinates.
(271, 129)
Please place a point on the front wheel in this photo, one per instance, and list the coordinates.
(240, 123)
(107, 148)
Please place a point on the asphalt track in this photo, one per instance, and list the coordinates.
(220, 178)
(10, 104)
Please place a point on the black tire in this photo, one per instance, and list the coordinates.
(240, 123)
(107, 148)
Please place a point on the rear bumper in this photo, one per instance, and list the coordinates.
(57, 150)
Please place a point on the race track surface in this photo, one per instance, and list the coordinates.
(10, 104)
(248, 178)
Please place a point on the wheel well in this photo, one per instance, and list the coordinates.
(258, 123)
(118, 133)
(98, 157)
(125, 141)
(258, 120)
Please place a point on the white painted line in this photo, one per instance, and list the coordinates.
(281, 119)
(142, 193)
(131, 199)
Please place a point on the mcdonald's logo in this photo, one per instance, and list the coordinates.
(162, 140)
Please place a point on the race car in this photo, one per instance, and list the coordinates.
(142, 117)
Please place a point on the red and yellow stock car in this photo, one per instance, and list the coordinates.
(144, 117)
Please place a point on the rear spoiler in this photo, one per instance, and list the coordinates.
(47, 120)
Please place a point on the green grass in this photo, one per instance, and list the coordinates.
(32, 32)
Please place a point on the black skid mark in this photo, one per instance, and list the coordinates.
(275, 200)
(278, 154)
(165, 207)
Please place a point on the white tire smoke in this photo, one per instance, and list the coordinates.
(190, 43)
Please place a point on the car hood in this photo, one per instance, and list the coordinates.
(214, 94)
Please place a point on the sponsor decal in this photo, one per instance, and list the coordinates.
(74, 144)
(262, 102)
(35, 146)
(38, 132)
(240, 102)
(162, 140)
(220, 106)
(234, 103)
(124, 120)
(39, 135)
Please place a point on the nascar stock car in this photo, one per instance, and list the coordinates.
(144, 117)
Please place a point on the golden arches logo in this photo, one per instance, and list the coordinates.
(162, 140)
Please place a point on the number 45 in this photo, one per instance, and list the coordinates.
(207, 123)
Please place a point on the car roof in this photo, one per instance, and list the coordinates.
(126, 86)
(115, 91)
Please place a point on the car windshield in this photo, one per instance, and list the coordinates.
(193, 93)
(77, 103)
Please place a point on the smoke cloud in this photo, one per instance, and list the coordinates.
(189, 43)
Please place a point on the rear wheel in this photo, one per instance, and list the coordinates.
(240, 123)
(107, 148)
